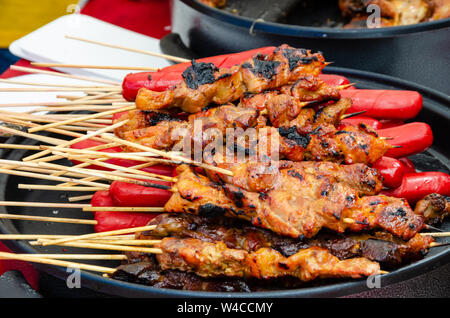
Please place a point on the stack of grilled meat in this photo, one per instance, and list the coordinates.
(313, 212)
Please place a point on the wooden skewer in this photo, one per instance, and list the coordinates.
(166, 154)
(130, 170)
(97, 154)
(59, 188)
(43, 176)
(105, 240)
(78, 256)
(82, 118)
(352, 114)
(165, 56)
(95, 108)
(123, 209)
(436, 234)
(15, 146)
(46, 219)
(102, 234)
(56, 105)
(48, 140)
(55, 89)
(81, 87)
(53, 236)
(80, 198)
(76, 140)
(104, 67)
(84, 78)
(50, 261)
(341, 87)
(45, 204)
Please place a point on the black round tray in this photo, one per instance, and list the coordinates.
(435, 113)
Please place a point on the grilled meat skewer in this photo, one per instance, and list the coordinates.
(205, 84)
(295, 203)
(309, 136)
(380, 247)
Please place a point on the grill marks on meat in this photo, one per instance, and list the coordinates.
(296, 203)
(204, 84)
(216, 259)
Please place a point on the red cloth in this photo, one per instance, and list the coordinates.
(149, 17)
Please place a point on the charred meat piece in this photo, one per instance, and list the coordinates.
(200, 128)
(138, 119)
(389, 251)
(434, 207)
(205, 84)
(293, 203)
(215, 259)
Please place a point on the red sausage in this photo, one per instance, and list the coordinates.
(389, 123)
(128, 194)
(391, 104)
(355, 121)
(413, 137)
(335, 80)
(408, 164)
(110, 221)
(392, 171)
(417, 185)
(171, 75)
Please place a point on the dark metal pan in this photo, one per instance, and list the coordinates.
(417, 52)
(435, 112)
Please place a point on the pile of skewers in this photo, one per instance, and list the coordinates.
(333, 200)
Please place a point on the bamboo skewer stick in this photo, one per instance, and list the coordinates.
(76, 140)
(101, 246)
(56, 236)
(46, 219)
(48, 140)
(55, 89)
(80, 198)
(59, 188)
(45, 204)
(165, 56)
(82, 118)
(56, 105)
(104, 67)
(105, 240)
(84, 78)
(436, 234)
(166, 154)
(101, 234)
(99, 88)
(97, 154)
(50, 261)
(130, 170)
(49, 177)
(123, 209)
(119, 257)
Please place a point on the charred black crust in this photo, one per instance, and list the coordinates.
(199, 73)
(153, 118)
(294, 59)
(291, 133)
(266, 69)
(295, 174)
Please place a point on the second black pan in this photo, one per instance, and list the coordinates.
(435, 113)
(418, 52)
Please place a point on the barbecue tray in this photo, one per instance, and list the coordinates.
(435, 112)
